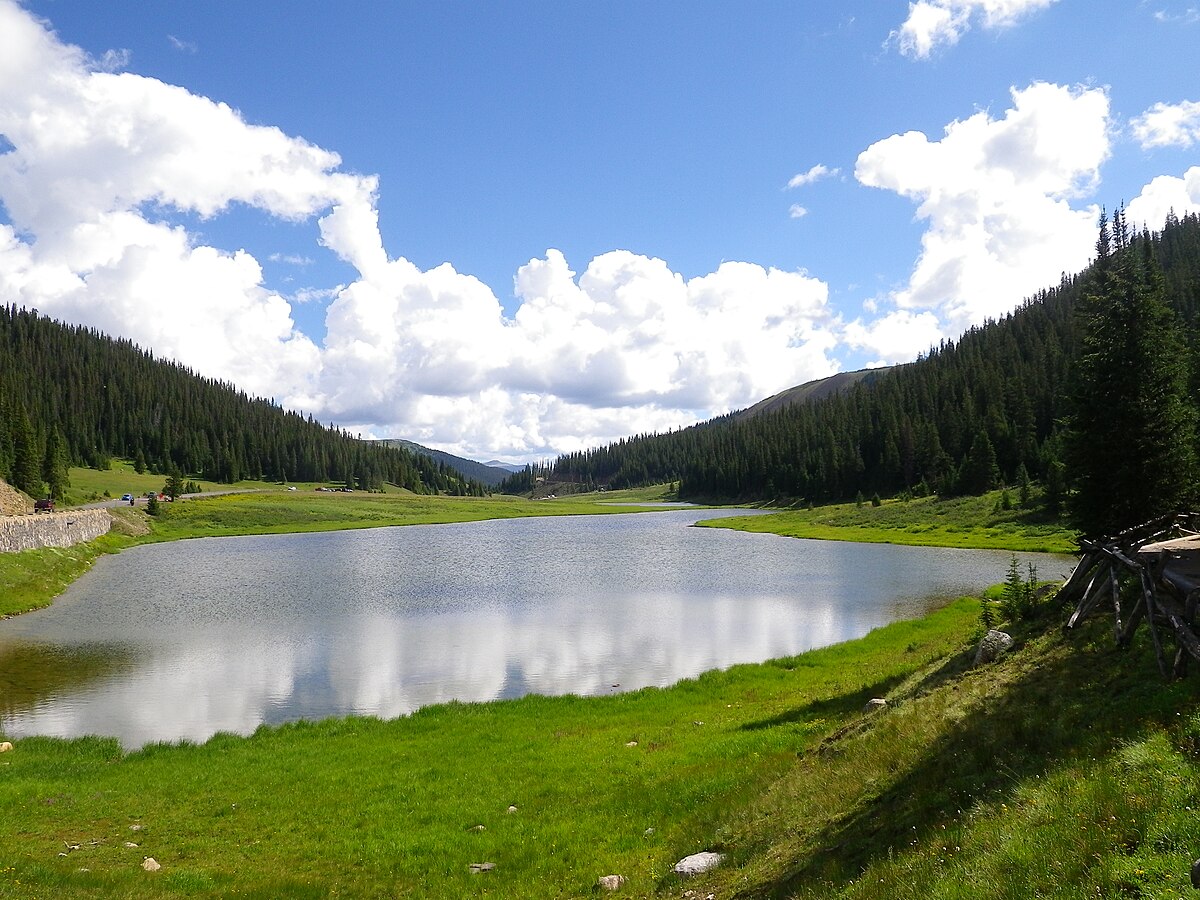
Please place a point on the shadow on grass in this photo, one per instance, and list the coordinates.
(1070, 702)
(841, 705)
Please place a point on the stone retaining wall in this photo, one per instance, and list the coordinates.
(58, 529)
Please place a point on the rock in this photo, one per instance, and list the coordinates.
(874, 704)
(993, 644)
(150, 865)
(1196, 874)
(136, 827)
(512, 809)
(5, 746)
(698, 863)
(610, 882)
(130, 845)
(477, 868)
(477, 828)
(631, 743)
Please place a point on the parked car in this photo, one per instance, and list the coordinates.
(44, 505)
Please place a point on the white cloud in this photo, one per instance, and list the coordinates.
(1163, 196)
(996, 196)
(796, 211)
(1168, 125)
(934, 23)
(102, 165)
(1189, 16)
(182, 45)
(816, 173)
(897, 337)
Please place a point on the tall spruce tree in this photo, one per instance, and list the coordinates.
(1131, 437)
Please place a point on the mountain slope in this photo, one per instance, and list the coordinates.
(468, 468)
(811, 391)
(970, 414)
(90, 397)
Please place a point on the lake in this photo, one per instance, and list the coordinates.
(179, 641)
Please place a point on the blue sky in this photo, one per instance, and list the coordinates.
(511, 230)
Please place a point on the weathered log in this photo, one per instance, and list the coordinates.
(1151, 615)
(1135, 619)
(1116, 600)
(1091, 598)
(1070, 592)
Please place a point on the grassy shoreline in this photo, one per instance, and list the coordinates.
(1068, 769)
(977, 523)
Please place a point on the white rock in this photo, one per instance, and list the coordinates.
(512, 809)
(610, 882)
(698, 863)
(5, 746)
(874, 704)
(994, 643)
(631, 744)
(150, 865)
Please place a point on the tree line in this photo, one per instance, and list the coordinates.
(70, 395)
(1008, 403)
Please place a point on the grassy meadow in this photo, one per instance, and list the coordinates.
(1069, 769)
(975, 522)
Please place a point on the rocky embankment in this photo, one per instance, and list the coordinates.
(58, 529)
(22, 529)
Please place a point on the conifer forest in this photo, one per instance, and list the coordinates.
(70, 395)
(1089, 388)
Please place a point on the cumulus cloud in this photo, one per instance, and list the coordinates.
(996, 196)
(816, 173)
(934, 23)
(796, 211)
(896, 337)
(1168, 125)
(1164, 196)
(103, 164)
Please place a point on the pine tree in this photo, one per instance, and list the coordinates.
(1131, 432)
(55, 464)
(26, 472)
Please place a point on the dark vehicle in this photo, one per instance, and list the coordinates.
(45, 505)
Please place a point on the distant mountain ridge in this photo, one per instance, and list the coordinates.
(812, 391)
(490, 474)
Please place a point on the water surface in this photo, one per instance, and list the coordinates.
(178, 641)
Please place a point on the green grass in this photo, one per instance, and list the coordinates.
(973, 522)
(90, 485)
(358, 807)
(1067, 770)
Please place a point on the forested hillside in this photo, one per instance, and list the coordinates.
(468, 468)
(971, 414)
(72, 396)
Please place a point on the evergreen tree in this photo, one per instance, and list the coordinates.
(1132, 430)
(979, 472)
(26, 471)
(55, 464)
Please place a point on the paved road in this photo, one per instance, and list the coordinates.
(140, 500)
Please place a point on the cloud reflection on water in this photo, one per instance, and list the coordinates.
(231, 633)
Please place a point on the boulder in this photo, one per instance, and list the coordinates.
(698, 863)
(150, 865)
(610, 882)
(874, 704)
(994, 643)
